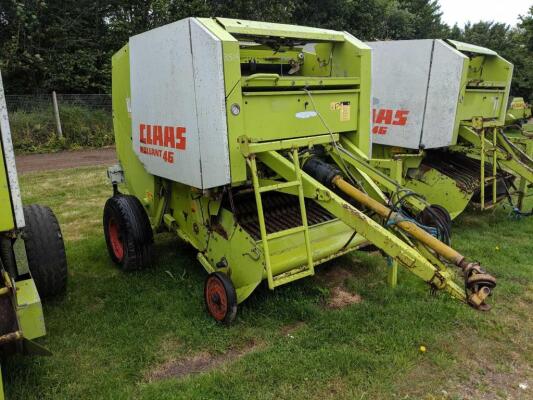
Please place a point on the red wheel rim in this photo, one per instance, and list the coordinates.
(216, 298)
(115, 239)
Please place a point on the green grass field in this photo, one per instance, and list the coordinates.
(145, 335)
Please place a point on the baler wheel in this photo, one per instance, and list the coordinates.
(7, 256)
(45, 250)
(128, 233)
(220, 297)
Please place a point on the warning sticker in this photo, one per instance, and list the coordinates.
(345, 112)
(344, 109)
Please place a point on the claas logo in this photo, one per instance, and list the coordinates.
(170, 138)
(382, 118)
(165, 136)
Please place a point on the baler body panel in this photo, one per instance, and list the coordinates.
(7, 222)
(197, 85)
(416, 85)
(257, 28)
(139, 182)
(11, 211)
(444, 90)
(440, 85)
(399, 86)
(274, 115)
(178, 104)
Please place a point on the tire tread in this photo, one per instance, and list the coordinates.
(45, 250)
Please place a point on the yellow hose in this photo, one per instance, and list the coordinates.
(407, 226)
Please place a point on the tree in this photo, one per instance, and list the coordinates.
(427, 19)
(67, 45)
(54, 46)
(510, 43)
(526, 24)
(525, 37)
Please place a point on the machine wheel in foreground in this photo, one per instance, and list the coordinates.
(128, 233)
(45, 250)
(220, 297)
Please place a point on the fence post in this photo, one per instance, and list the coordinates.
(56, 113)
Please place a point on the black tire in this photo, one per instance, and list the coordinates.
(128, 233)
(220, 298)
(7, 256)
(45, 250)
(438, 217)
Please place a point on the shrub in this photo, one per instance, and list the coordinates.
(35, 131)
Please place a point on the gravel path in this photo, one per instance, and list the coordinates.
(65, 159)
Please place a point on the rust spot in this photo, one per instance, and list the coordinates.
(218, 228)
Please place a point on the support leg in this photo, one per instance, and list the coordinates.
(522, 189)
(392, 277)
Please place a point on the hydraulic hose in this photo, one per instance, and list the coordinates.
(409, 227)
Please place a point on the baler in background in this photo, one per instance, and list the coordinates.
(439, 124)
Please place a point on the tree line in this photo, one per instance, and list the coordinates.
(66, 45)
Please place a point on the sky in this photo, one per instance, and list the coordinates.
(462, 11)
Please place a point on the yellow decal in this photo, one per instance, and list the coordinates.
(334, 105)
(345, 112)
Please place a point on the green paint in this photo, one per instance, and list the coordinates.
(29, 310)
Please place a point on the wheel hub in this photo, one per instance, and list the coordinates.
(116, 239)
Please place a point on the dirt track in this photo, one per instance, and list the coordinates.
(65, 159)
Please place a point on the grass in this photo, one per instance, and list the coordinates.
(113, 331)
(35, 131)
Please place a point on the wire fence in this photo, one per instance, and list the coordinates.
(55, 121)
(41, 102)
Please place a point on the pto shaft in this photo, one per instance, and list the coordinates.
(478, 283)
(407, 226)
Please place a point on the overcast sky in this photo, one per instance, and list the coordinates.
(462, 11)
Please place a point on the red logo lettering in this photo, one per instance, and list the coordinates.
(180, 138)
(169, 137)
(384, 116)
(380, 130)
(142, 130)
(149, 134)
(158, 135)
(400, 117)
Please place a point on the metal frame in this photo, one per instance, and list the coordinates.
(14, 199)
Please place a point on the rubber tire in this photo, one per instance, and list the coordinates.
(7, 256)
(231, 297)
(136, 235)
(45, 250)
